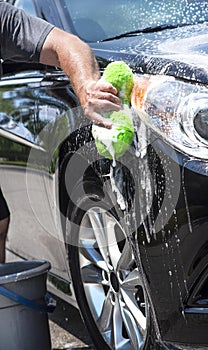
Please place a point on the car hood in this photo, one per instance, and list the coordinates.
(180, 52)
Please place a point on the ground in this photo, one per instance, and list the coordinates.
(67, 329)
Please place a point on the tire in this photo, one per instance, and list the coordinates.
(108, 287)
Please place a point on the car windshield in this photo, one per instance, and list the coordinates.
(95, 20)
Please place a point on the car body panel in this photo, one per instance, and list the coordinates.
(181, 243)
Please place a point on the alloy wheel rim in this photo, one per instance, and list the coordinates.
(111, 281)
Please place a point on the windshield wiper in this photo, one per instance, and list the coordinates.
(147, 30)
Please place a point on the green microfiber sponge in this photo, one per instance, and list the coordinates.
(120, 75)
(113, 143)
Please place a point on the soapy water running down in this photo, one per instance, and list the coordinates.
(130, 178)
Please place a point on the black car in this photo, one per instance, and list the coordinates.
(128, 242)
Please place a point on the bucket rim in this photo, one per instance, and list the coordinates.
(34, 268)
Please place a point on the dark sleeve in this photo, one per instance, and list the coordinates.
(22, 36)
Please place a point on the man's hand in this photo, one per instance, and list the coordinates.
(77, 60)
(101, 97)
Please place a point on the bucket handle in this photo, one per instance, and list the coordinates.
(49, 307)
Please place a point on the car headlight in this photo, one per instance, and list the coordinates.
(176, 110)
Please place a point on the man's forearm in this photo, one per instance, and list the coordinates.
(73, 56)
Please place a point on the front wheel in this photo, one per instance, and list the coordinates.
(108, 286)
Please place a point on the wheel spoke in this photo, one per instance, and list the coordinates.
(99, 232)
(126, 259)
(113, 240)
(95, 297)
(133, 308)
(135, 336)
(91, 274)
(92, 255)
(105, 319)
(118, 341)
(110, 324)
(132, 279)
(133, 318)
